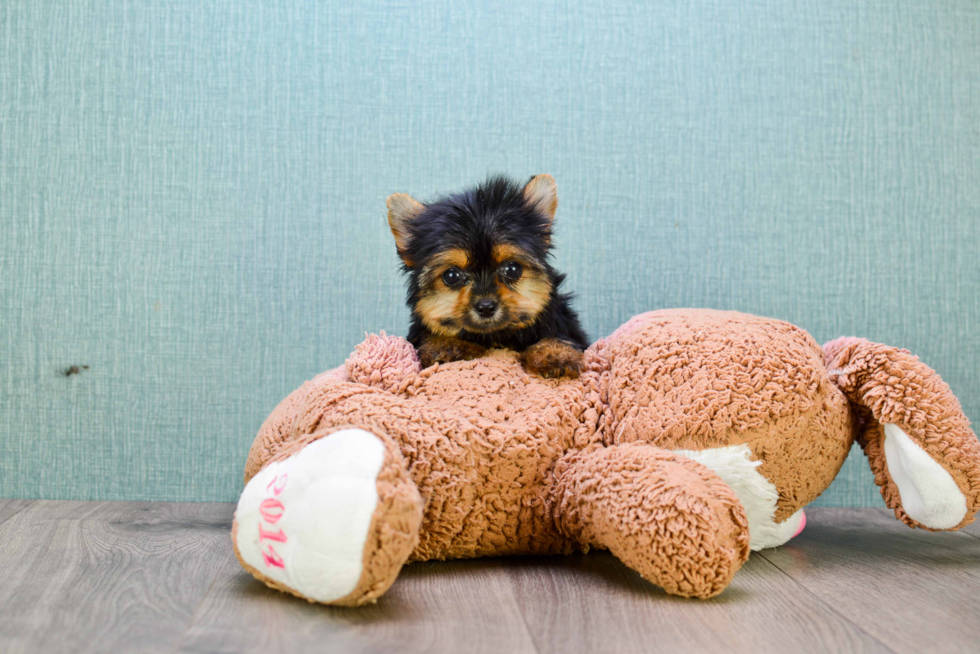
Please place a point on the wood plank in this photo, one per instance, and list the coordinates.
(10, 508)
(98, 576)
(452, 606)
(972, 529)
(592, 602)
(90, 576)
(911, 589)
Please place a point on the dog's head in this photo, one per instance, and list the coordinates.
(478, 260)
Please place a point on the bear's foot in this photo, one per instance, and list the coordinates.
(929, 494)
(333, 522)
(736, 467)
(666, 516)
(918, 441)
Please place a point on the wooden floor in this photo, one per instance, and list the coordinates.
(147, 577)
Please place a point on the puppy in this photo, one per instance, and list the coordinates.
(479, 276)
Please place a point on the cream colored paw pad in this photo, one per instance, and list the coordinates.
(303, 521)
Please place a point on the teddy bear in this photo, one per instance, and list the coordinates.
(690, 438)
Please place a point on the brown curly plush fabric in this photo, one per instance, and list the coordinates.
(698, 379)
(503, 462)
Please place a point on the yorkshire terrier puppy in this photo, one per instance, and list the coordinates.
(479, 276)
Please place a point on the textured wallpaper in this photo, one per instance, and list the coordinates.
(192, 195)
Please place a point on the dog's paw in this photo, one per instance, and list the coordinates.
(443, 349)
(552, 358)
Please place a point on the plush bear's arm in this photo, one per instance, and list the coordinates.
(664, 515)
(388, 362)
(278, 427)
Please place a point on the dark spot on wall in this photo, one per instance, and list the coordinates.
(74, 370)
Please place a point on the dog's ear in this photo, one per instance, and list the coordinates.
(542, 194)
(402, 210)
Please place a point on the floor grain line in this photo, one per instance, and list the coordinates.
(820, 600)
(972, 529)
(912, 589)
(10, 508)
(200, 606)
(527, 628)
(105, 576)
(593, 602)
(444, 606)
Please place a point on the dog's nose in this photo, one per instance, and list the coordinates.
(485, 307)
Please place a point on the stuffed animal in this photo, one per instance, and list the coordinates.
(690, 438)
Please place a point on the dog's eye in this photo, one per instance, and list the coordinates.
(511, 271)
(452, 277)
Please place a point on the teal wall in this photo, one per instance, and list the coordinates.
(192, 194)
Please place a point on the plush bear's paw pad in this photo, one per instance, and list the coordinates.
(552, 358)
(302, 523)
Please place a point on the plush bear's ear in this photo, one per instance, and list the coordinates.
(542, 193)
(402, 210)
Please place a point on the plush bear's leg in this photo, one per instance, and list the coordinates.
(331, 519)
(664, 515)
(736, 466)
(918, 441)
